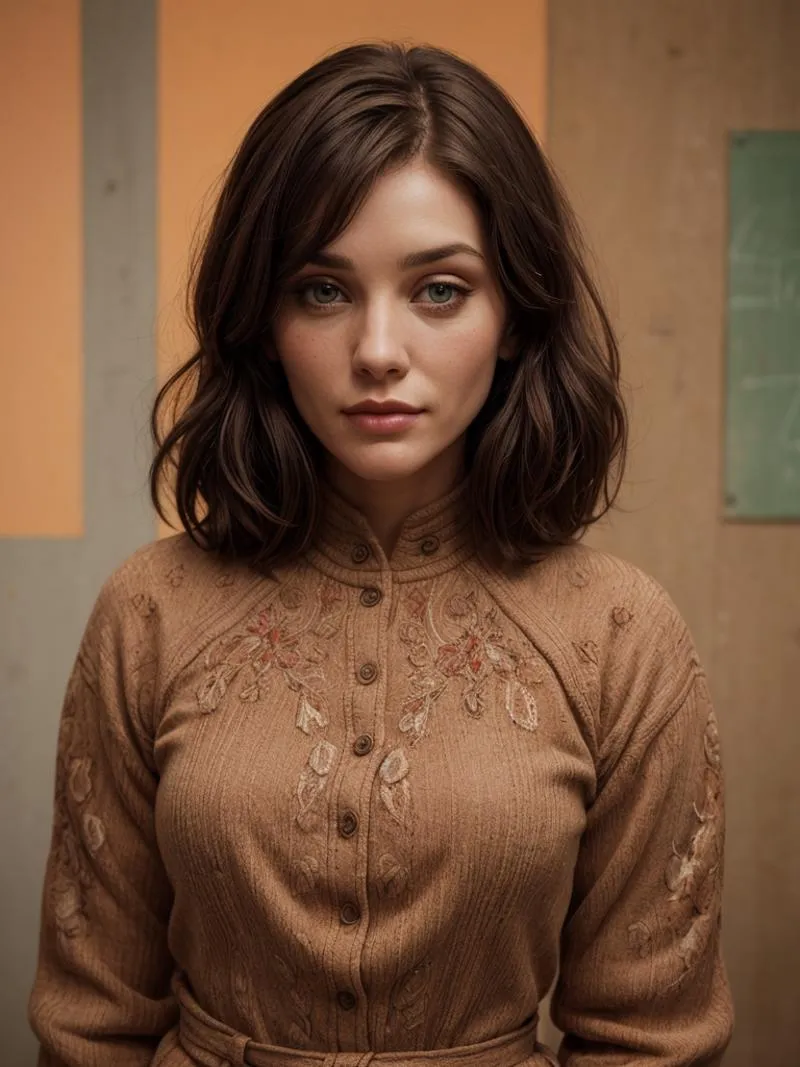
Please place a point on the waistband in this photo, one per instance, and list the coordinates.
(215, 1044)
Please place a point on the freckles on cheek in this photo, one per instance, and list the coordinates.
(301, 348)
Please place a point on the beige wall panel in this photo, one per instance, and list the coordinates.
(41, 415)
(642, 97)
(217, 69)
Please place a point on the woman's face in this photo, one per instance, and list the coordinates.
(366, 322)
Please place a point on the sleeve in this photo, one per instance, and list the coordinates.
(101, 989)
(642, 980)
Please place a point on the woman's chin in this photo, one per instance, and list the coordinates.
(381, 469)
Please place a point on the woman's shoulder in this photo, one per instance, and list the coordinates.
(163, 569)
(610, 629)
(581, 589)
(164, 592)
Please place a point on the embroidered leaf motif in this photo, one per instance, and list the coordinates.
(394, 789)
(397, 799)
(80, 783)
(68, 908)
(410, 999)
(321, 758)
(521, 705)
(94, 832)
(640, 938)
(299, 997)
(305, 875)
(313, 780)
(394, 766)
(394, 876)
(308, 715)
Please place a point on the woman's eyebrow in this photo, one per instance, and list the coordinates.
(414, 259)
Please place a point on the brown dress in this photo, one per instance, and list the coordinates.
(367, 810)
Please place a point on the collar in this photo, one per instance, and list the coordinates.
(432, 540)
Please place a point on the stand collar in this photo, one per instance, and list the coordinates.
(432, 539)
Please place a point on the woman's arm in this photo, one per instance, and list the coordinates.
(642, 981)
(101, 993)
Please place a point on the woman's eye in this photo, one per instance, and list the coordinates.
(323, 290)
(443, 296)
(446, 296)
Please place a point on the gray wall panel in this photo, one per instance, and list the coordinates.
(48, 586)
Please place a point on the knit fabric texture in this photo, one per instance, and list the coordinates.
(371, 804)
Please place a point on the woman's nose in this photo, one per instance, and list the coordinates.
(380, 348)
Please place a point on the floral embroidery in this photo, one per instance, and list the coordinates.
(285, 637)
(394, 788)
(271, 642)
(477, 655)
(73, 875)
(313, 781)
(692, 875)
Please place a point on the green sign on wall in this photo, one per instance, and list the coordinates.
(762, 440)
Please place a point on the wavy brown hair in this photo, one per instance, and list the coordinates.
(544, 455)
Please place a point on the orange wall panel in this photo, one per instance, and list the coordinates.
(217, 70)
(41, 475)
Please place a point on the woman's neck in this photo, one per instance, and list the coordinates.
(387, 503)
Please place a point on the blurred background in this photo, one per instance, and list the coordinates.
(673, 124)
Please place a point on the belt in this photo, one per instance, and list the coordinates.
(215, 1044)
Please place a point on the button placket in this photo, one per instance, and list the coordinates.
(369, 606)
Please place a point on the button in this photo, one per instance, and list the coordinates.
(362, 745)
(359, 553)
(346, 999)
(348, 823)
(429, 545)
(367, 673)
(370, 596)
(349, 913)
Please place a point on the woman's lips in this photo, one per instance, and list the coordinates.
(386, 422)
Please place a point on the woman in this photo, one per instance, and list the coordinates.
(349, 767)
